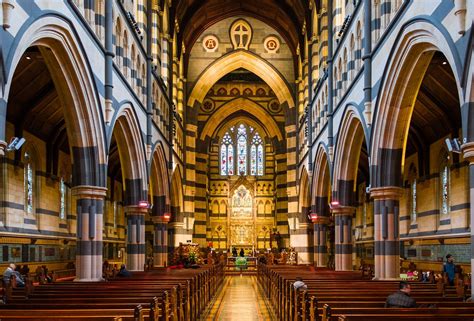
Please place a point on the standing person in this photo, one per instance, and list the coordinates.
(242, 254)
(402, 298)
(449, 269)
(234, 252)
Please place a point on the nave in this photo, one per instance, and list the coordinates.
(239, 299)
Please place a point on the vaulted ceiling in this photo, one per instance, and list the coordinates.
(286, 16)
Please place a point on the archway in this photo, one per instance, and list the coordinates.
(302, 234)
(160, 200)
(178, 227)
(127, 170)
(233, 61)
(401, 121)
(350, 179)
(53, 103)
(320, 213)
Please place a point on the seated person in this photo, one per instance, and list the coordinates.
(299, 284)
(124, 272)
(11, 271)
(402, 298)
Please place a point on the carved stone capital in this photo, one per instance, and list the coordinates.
(468, 151)
(386, 192)
(87, 191)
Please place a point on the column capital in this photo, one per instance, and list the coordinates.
(3, 147)
(321, 220)
(468, 151)
(88, 191)
(386, 192)
(135, 209)
(159, 220)
(343, 210)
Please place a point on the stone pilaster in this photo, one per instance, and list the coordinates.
(90, 220)
(343, 219)
(386, 230)
(468, 154)
(135, 237)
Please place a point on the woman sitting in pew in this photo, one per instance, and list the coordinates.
(124, 273)
(401, 298)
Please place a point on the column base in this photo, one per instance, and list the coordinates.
(89, 280)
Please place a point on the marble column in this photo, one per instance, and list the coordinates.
(135, 237)
(90, 220)
(160, 242)
(387, 232)
(320, 225)
(343, 219)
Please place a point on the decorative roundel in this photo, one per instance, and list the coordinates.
(274, 106)
(210, 43)
(207, 106)
(271, 44)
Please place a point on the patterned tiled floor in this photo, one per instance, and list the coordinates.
(238, 300)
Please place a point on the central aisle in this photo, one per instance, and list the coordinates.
(239, 299)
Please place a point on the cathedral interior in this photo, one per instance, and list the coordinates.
(329, 135)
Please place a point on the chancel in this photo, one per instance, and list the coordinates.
(181, 160)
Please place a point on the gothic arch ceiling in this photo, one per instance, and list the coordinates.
(286, 16)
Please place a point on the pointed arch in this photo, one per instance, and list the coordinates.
(73, 78)
(159, 182)
(304, 196)
(234, 106)
(177, 192)
(321, 183)
(241, 59)
(347, 153)
(416, 43)
(130, 143)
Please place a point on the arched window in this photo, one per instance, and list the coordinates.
(227, 155)
(29, 183)
(62, 199)
(245, 140)
(444, 178)
(242, 150)
(413, 200)
(256, 155)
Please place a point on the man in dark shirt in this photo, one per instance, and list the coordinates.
(402, 298)
(449, 269)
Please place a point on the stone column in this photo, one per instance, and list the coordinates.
(90, 220)
(160, 242)
(320, 242)
(343, 219)
(468, 153)
(386, 230)
(136, 237)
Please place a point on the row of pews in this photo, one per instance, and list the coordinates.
(346, 296)
(156, 295)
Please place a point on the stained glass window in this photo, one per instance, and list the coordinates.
(253, 160)
(247, 143)
(260, 160)
(28, 184)
(230, 160)
(115, 214)
(227, 155)
(413, 201)
(445, 190)
(223, 159)
(256, 154)
(62, 192)
(242, 154)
